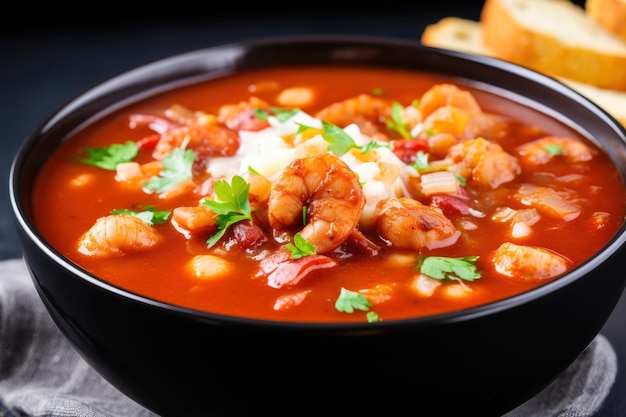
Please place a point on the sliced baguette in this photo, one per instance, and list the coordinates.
(610, 14)
(555, 37)
(457, 34)
(466, 35)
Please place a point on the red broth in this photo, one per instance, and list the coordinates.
(558, 201)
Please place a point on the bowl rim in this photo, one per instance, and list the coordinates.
(238, 50)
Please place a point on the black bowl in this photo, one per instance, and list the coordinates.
(179, 362)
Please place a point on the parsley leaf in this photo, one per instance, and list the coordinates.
(281, 114)
(397, 122)
(339, 142)
(440, 267)
(300, 247)
(176, 168)
(350, 300)
(233, 205)
(375, 145)
(372, 317)
(554, 149)
(149, 215)
(109, 157)
(254, 171)
(461, 179)
(421, 161)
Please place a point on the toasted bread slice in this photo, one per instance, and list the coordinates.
(555, 37)
(612, 101)
(610, 14)
(466, 35)
(457, 34)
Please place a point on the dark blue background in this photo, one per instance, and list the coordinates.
(46, 60)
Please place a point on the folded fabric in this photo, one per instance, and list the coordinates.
(42, 375)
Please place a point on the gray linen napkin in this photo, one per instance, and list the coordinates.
(41, 375)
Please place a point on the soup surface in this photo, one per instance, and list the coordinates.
(328, 194)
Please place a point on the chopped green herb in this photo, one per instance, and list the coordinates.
(300, 247)
(397, 122)
(260, 113)
(232, 206)
(254, 171)
(442, 268)
(421, 161)
(460, 179)
(285, 114)
(554, 149)
(339, 142)
(149, 215)
(375, 145)
(350, 300)
(279, 113)
(372, 317)
(111, 156)
(176, 168)
(302, 128)
(378, 91)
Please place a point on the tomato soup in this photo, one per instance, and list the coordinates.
(328, 194)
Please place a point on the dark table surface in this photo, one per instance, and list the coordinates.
(45, 61)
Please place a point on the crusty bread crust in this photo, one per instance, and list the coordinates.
(466, 35)
(587, 54)
(613, 102)
(610, 14)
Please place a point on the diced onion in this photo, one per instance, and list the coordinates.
(503, 214)
(468, 225)
(127, 171)
(425, 285)
(527, 216)
(547, 200)
(520, 229)
(440, 182)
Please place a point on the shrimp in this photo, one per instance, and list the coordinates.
(528, 262)
(241, 116)
(206, 136)
(368, 112)
(447, 108)
(331, 191)
(206, 141)
(258, 196)
(117, 235)
(542, 150)
(409, 224)
(483, 161)
(447, 119)
(441, 95)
